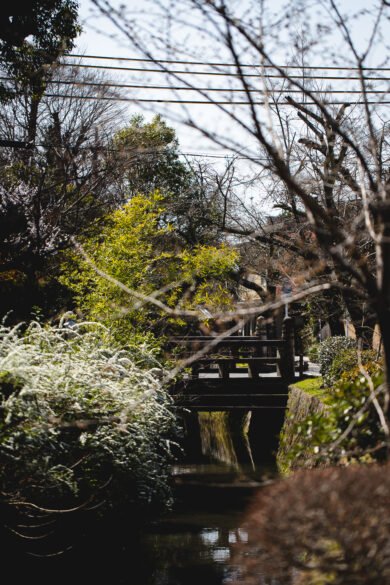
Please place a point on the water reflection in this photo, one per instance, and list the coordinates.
(224, 437)
(189, 549)
(196, 543)
(209, 536)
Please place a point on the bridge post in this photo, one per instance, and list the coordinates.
(288, 357)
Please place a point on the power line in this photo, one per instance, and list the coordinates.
(110, 85)
(223, 73)
(29, 145)
(204, 102)
(215, 64)
(137, 153)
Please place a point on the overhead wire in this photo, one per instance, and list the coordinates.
(219, 64)
(208, 103)
(153, 152)
(109, 85)
(112, 85)
(221, 73)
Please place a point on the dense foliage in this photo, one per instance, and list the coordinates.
(140, 249)
(349, 426)
(81, 419)
(148, 159)
(31, 41)
(328, 350)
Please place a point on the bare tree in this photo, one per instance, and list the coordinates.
(354, 254)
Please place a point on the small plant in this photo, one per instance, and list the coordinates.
(329, 350)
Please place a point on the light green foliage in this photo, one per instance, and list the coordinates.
(139, 249)
(81, 418)
(328, 351)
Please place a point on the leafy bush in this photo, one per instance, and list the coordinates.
(319, 527)
(346, 361)
(81, 419)
(348, 428)
(328, 351)
(138, 248)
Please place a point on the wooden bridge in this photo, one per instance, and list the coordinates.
(237, 372)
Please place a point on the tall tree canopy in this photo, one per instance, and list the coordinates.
(34, 38)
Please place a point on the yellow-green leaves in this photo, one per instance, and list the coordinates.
(140, 249)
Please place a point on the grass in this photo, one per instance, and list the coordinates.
(312, 386)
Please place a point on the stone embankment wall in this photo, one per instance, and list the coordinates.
(301, 404)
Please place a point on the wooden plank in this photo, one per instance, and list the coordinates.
(212, 337)
(241, 395)
(224, 368)
(231, 386)
(240, 360)
(262, 369)
(228, 407)
(281, 403)
(228, 342)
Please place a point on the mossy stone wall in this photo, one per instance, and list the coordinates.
(301, 404)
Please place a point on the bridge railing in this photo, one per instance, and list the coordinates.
(226, 354)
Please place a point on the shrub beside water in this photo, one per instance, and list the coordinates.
(81, 420)
(348, 360)
(348, 427)
(319, 527)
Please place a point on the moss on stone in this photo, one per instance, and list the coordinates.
(312, 386)
(304, 400)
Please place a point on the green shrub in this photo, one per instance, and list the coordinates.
(81, 419)
(139, 249)
(346, 361)
(349, 428)
(328, 351)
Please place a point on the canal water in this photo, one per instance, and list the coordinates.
(193, 544)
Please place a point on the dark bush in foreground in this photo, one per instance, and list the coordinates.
(319, 527)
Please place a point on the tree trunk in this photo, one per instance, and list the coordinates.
(334, 307)
(381, 212)
(364, 321)
(33, 118)
(336, 325)
(384, 320)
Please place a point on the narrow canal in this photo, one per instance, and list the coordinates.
(195, 543)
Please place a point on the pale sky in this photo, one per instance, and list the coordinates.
(101, 38)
